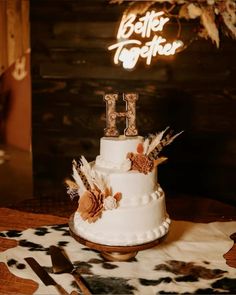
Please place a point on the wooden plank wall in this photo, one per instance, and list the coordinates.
(71, 70)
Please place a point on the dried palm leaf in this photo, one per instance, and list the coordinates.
(194, 11)
(208, 22)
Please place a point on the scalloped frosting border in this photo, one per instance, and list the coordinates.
(124, 166)
(143, 200)
(126, 239)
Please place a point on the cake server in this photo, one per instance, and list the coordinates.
(62, 264)
(45, 277)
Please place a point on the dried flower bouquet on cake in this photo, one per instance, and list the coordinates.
(147, 156)
(94, 194)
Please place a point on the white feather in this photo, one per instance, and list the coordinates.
(145, 145)
(100, 181)
(174, 137)
(77, 178)
(155, 141)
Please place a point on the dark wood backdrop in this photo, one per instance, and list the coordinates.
(71, 70)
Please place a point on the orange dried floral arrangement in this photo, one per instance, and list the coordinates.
(92, 189)
(92, 203)
(147, 156)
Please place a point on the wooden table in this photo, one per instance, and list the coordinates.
(182, 208)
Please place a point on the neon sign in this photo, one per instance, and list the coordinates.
(129, 51)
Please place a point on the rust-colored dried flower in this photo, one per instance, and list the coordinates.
(140, 163)
(91, 205)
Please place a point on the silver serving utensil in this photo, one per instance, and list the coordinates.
(44, 276)
(61, 264)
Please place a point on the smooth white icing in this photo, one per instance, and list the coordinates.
(126, 226)
(114, 150)
(125, 165)
(133, 186)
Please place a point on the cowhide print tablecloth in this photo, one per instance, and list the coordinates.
(189, 260)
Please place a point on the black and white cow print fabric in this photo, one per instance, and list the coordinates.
(189, 260)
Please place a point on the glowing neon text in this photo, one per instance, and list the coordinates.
(129, 51)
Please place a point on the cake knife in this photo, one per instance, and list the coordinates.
(45, 277)
(61, 264)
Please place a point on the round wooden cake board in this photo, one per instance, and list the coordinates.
(112, 253)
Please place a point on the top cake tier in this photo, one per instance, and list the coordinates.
(114, 150)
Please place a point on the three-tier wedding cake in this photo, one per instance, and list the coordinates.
(120, 200)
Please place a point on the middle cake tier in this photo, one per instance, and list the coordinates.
(135, 188)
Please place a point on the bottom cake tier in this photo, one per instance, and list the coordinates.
(127, 226)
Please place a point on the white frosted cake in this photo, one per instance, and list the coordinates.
(120, 201)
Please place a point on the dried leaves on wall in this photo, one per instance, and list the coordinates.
(214, 16)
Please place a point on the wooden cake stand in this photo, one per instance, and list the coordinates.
(112, 253)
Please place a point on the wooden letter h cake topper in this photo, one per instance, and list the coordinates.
(129, 114)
